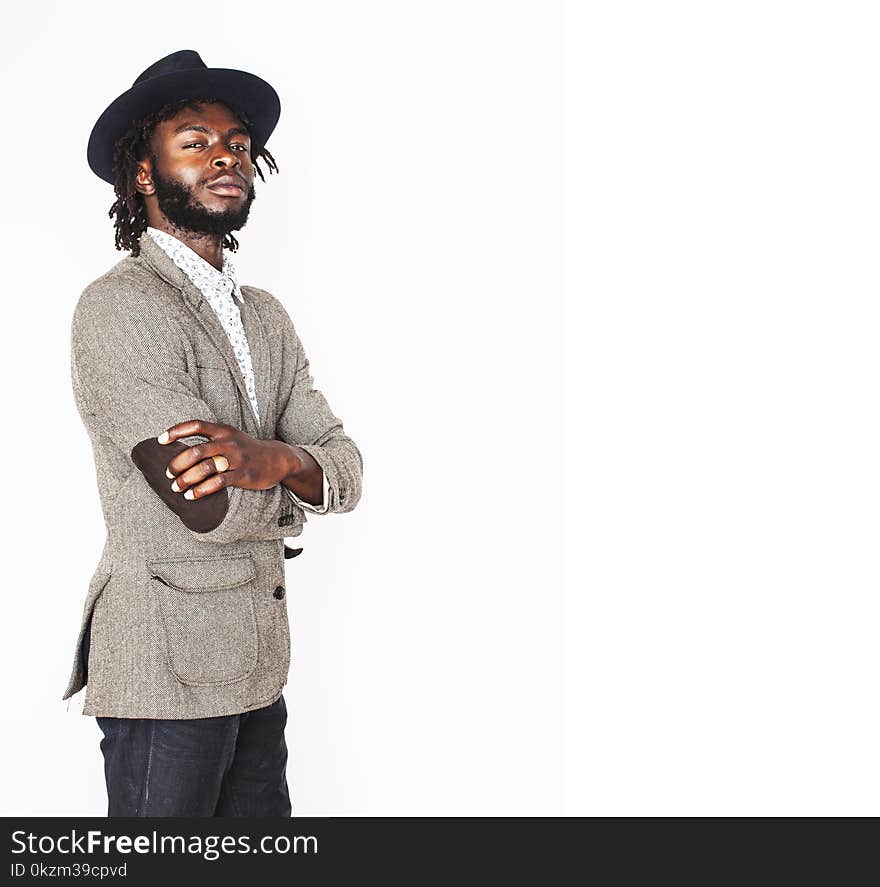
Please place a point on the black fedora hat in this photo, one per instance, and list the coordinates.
(182, 75)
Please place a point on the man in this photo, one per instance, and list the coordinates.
(210, 444)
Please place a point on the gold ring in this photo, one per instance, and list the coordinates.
(221, 463)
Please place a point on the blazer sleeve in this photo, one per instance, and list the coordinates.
(307, 506)
(129, 370)
(306, 420)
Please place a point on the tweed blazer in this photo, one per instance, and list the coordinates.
(186, 609)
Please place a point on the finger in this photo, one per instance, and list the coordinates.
(194, 454)
(213, 484)
(199, 472)
(185, 429)
(194, 475)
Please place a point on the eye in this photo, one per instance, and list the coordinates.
(199, 145)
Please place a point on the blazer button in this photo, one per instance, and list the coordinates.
(279, 592)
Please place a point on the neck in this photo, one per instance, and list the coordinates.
(208, 246)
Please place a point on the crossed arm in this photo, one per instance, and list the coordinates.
(188, 481)
(133, 381)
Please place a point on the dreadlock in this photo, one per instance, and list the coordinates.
(133, 146)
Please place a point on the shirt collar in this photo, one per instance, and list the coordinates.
(203, 274)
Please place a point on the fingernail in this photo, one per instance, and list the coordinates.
(163, 437)
(175, 487)
(189, 495)
(168, 474)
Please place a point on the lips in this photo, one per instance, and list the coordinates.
(227, 184)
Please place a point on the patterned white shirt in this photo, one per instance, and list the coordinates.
(218, 288)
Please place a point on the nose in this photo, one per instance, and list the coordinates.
(225, 157)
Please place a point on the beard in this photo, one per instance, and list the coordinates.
(179, 204)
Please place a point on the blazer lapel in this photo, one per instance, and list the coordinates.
(207, 319)
(258, 343)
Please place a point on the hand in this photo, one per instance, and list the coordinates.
(253, 464)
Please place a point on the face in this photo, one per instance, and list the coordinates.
(188, 153)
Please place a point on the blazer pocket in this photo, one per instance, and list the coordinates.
(208, 617)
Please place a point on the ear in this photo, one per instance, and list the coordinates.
(143, 180)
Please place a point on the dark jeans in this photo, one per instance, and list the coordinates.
(233, 765)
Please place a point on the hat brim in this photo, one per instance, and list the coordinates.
(241, 89)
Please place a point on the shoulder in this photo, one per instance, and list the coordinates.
(128, 307)
(263, 299)
(128, 289)
(270, 308)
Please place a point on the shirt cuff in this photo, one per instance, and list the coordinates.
(315, 509)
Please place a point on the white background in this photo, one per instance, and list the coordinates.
(414, 235)
(722, 451)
